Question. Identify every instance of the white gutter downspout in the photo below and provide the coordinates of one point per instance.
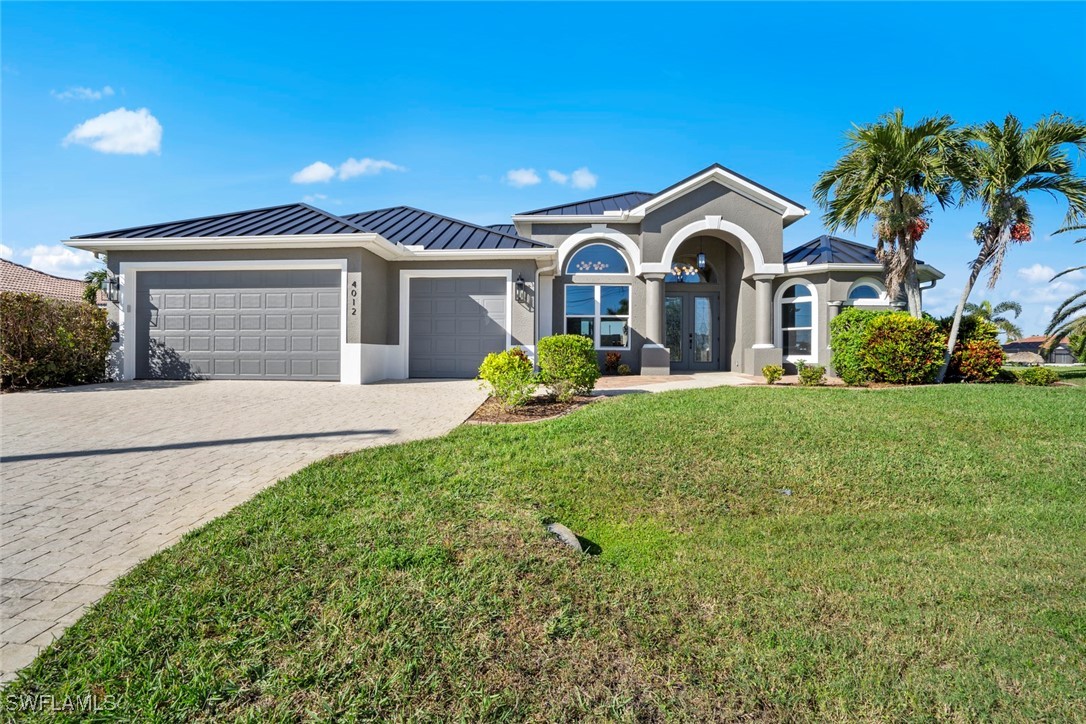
(539, 271)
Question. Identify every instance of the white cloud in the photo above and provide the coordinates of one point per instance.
(79, 93)
(1037, 274)
(558, 177)
(582, 178)
(61, 261)
(120, 131)
(365, 167)
(320, 172)
(6, 251)
(314, 198)
(521, 177)
(317, 172)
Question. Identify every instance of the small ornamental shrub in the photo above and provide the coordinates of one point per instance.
(772, 373)
(1038, 376)
(902, 350)
(848, 331)
(509, 376)
(624, 370)
(810, 375)
(978, 360)
(982, 338)
(567, 365)
(49, 342)
(611, 361)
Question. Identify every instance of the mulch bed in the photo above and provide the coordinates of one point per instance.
(539, 408)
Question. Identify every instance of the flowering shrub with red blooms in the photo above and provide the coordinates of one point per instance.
(1021, 232)
(978, 360)
(900, 349)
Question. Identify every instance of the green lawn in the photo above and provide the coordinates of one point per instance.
(1073, 375)
(930, 563)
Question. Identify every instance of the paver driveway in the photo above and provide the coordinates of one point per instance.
(95, 479)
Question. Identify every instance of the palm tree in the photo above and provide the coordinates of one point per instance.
(985, 311)
(889, 171)
(93, 281)
(1004, 165)
(1069, 319)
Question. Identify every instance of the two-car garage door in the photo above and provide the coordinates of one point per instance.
(276, 324)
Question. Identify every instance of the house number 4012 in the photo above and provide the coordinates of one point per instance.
(354, 299)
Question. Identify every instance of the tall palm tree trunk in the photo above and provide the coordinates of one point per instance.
(955, 326)
(987, 251)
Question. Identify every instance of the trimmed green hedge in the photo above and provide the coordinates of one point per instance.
(847, 336)
(873, 346)
(51, 343)
(510, 377)
(568, 365)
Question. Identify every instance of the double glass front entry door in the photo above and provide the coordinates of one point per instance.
(691, 328)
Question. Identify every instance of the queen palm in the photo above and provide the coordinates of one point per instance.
(1069, 319)
(889, 171)
(1006, 164)
(996, 314)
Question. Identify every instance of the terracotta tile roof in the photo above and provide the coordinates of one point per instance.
(18, 278)
(1036, 339)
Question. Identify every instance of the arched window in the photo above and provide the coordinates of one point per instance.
(867, 291)
(686, 271)
(597, 259)
(796, 314)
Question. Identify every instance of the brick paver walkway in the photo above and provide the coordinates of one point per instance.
(95, 479)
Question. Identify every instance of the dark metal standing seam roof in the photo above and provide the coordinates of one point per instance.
(285, 220)
(615, 202)
(828, 249)
(631, 199)
(503, 228)
(415, 227)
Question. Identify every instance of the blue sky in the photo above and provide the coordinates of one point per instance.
(240, 98)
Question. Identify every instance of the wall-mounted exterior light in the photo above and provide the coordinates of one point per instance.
(112, 287)
(701, 261)
(521, 290)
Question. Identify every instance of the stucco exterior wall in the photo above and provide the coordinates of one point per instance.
(712, 199)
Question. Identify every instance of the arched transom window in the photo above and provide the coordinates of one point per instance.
(866, 291)
(686, 270)
(797, 323)
(597, 259)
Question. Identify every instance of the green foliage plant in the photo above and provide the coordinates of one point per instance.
(509, 377)
(567, 365)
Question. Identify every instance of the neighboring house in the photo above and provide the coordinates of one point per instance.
(18, 278)
(1060, 354)
(694, 277)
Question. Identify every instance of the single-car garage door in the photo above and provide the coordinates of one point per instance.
(282, 324)
(454, 323)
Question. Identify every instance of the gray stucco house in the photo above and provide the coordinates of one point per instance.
(694, 277)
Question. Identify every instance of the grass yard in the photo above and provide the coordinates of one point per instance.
(1073, 375)
(929, 563)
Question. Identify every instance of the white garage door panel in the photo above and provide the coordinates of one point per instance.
(454, 323)
(239, 324)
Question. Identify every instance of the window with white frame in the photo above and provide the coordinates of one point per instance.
(797, 322)
(865, 291)
(600, 312)
(597, 259)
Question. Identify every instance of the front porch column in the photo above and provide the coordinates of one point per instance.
(655, 358)
(762, 352)
(832, 310)
(763, 311)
